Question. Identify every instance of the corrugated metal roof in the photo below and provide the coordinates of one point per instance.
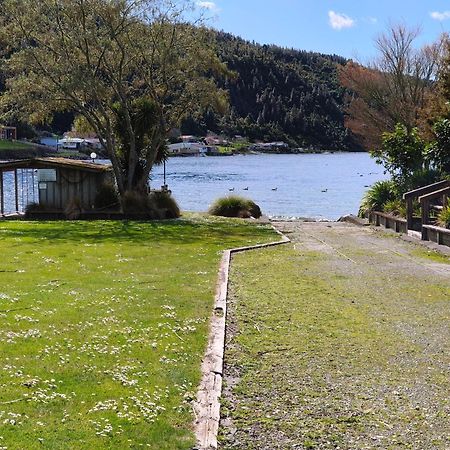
(50, 163)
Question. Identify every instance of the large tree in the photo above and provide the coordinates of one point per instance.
(394, 88)
(132, 68)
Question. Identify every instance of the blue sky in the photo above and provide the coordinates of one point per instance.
(344, 27)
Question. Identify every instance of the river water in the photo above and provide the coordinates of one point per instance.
(324, 186)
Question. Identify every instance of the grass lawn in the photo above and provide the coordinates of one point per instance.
(12, 145)
(338, 342)
(102, 329)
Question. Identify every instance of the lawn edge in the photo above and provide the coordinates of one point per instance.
(207, 404)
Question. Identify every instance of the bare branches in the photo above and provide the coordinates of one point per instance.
(395, 87)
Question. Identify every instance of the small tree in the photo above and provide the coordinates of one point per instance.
(132, 69)
(401, 153)
(437, 152)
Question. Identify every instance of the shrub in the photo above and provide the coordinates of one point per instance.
(396, 207)
(401, 152)
(418, 179)
(444, 217)
(437, 153)
(166, 204)
(377, 196)
(156, 205)
(33, 208)
(106, 197)
(73, 209)
(235, 206)
(136, 203)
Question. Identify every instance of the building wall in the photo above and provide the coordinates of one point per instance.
(71, 184)
(8, 133)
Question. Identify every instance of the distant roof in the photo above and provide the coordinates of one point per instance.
(72, 139)
(50, 163)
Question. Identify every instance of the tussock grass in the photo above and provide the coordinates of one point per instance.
(235, 206)
(444, 217)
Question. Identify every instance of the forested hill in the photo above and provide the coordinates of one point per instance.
(279, 94)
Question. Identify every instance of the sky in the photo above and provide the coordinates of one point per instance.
(344, 27)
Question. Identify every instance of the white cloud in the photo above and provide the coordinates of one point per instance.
(372, 20)
(209, 5)
(339, 21)
(436, 15)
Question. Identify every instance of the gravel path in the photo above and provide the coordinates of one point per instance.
(339, 341)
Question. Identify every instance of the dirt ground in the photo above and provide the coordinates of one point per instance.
(340, 340)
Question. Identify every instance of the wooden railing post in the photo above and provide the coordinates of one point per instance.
(425, 207)
(409, 213)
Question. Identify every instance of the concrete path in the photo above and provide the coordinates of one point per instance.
(339, 341)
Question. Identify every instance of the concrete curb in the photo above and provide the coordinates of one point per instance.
(207, 405)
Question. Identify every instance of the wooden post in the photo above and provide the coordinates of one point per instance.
(2, 200)
(425, 207)
(16, 190)
(409, 213)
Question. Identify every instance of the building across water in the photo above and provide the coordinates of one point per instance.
(8, 133)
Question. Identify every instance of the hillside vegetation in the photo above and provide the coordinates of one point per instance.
(279, 94)
(275, 94)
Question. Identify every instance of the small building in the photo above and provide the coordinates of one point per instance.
(8, 133)
(188, 138)
(214, 139)
(93, 143)
(53, 183)
(186, 148)
(72, 143)
(269, 146)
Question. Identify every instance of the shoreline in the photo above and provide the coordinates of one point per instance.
(254, 152)
(43, 151)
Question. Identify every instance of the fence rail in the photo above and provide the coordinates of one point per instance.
(436, 234)
(395, 223)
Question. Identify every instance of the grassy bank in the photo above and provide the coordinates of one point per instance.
(22, 150)
(13, 145)
(103, 327)
(338, 349)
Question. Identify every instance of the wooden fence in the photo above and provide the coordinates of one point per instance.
(436, 234)
(395, 223)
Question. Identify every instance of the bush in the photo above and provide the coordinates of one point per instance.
(166, 204)
(135, 203)
(444, 217)
(73, 209)
(34, 208)
(437, 153)
(401, 152)
(418, 179)
(156, 205)
(235, 206)
(377, 196)
(106, 197)
(395, 207)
